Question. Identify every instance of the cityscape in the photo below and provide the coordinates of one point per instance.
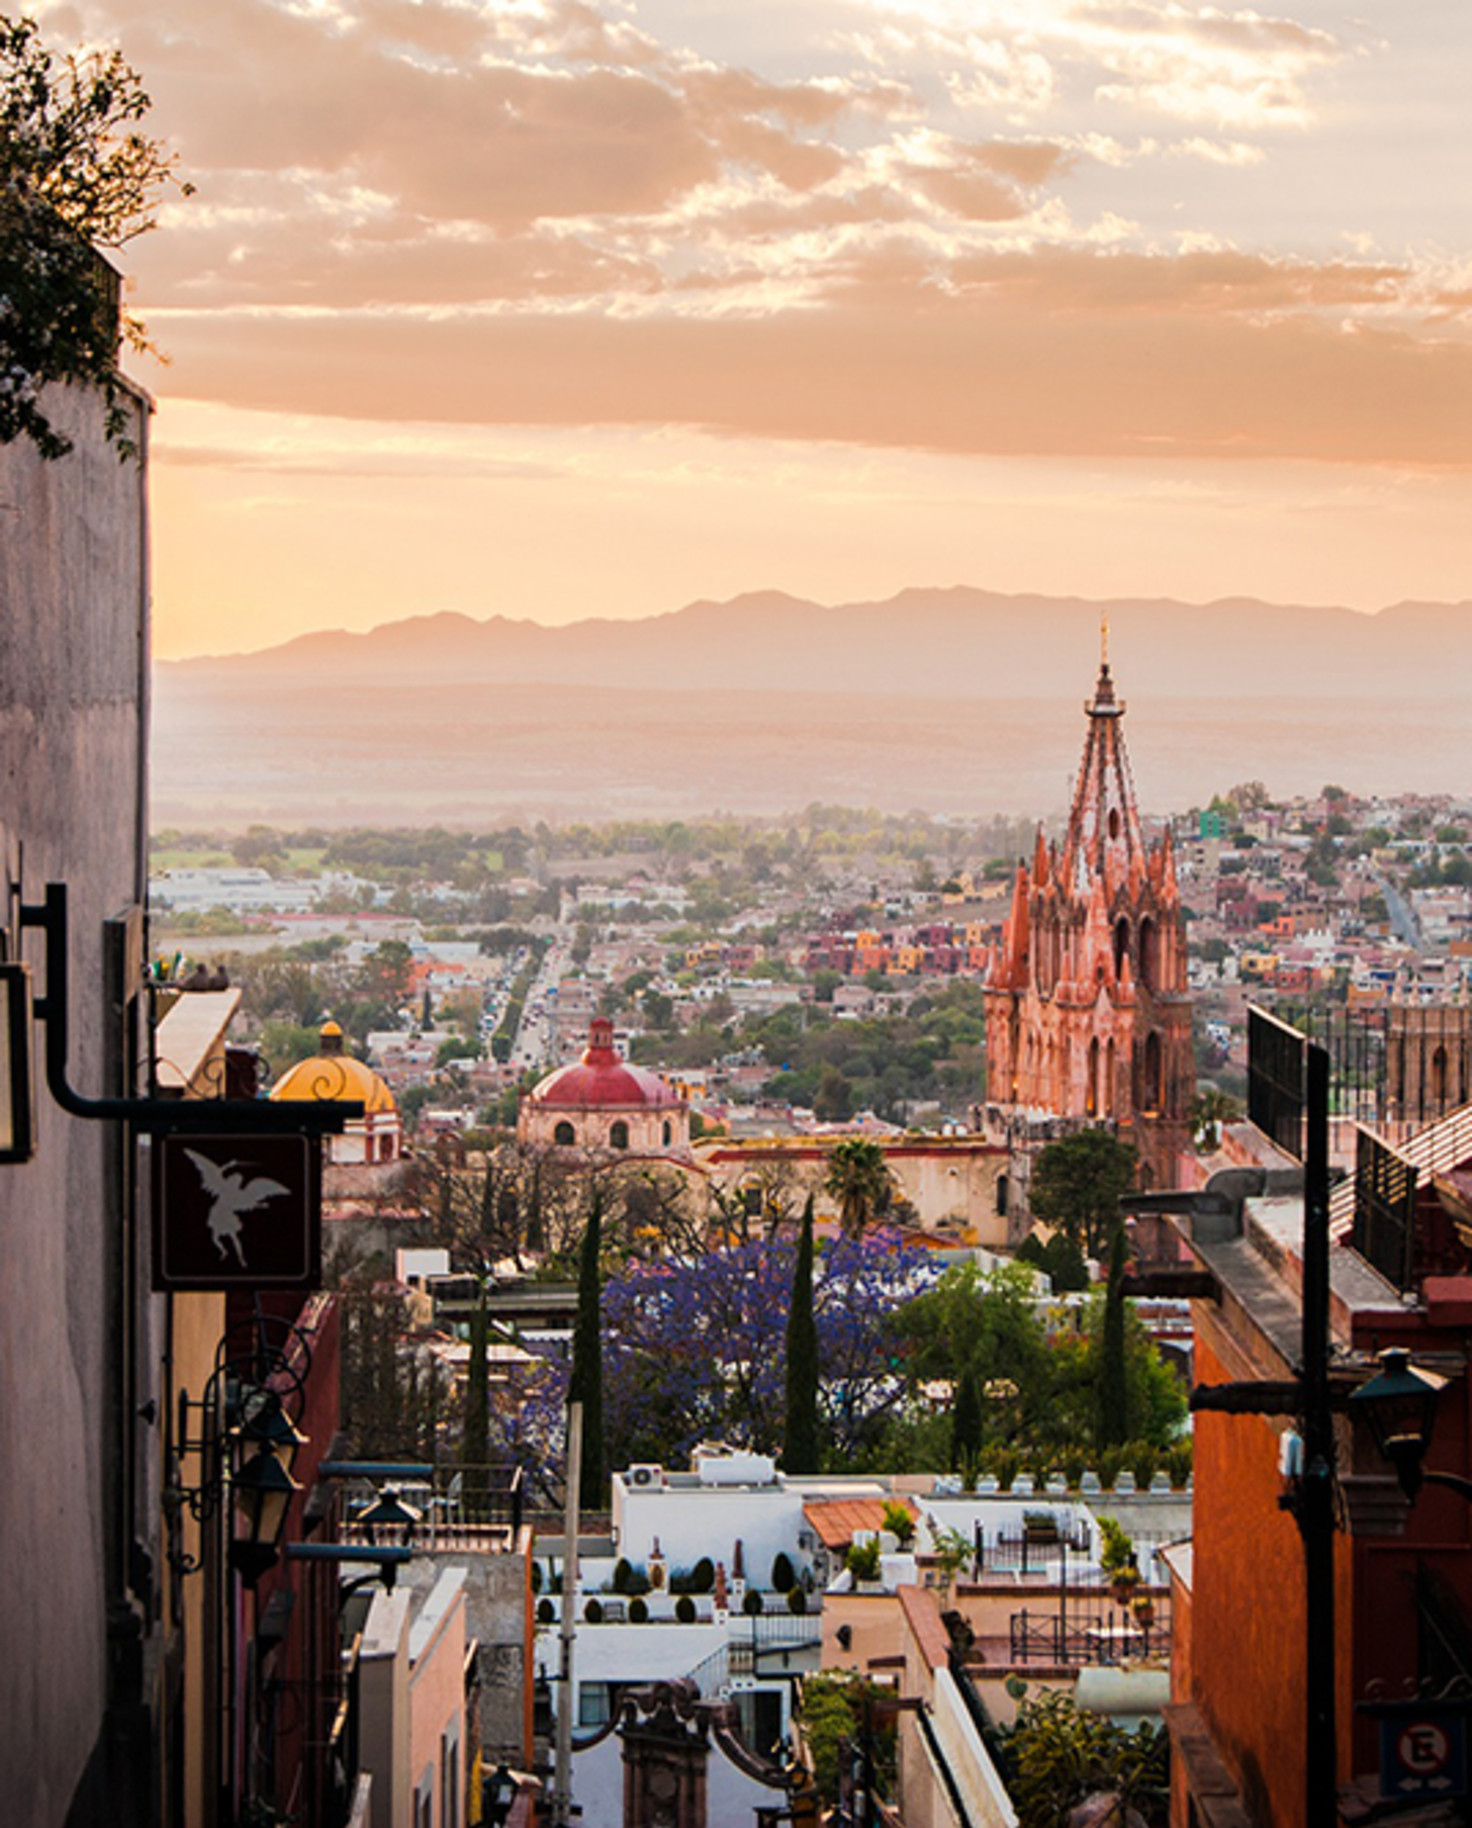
(660, 1168)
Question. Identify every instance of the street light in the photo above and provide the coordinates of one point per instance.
(263, 1491)
(1399, 1403)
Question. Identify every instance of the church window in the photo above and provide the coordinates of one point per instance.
(564, 1135)
(1106, 1095)
(666, 1134)
(1438, 1078)
(1121, 944)
(1153, 1076)
(1001, 1196)
(618, 1135)
(1149, 948)
(1114, 821)
(1091, 1090)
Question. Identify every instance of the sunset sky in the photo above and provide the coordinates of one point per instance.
(552, 309)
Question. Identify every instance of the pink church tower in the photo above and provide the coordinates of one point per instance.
(1088, 1017)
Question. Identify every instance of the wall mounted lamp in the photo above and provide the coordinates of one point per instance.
(155, 1116)
(1400, 1403)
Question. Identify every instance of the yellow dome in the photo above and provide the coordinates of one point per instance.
(335, 1076)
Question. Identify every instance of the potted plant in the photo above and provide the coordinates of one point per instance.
(1117, 1559)
(862, 1561)
(899, 1522)
(1144, 1610)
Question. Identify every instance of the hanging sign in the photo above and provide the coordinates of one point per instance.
(237, 1212)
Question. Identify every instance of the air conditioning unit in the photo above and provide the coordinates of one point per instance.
(646, 1478)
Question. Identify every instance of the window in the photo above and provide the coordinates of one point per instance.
(618, 1135)
(564, 1135)
(450, 1777)
(667, 1134)
(595, 1703)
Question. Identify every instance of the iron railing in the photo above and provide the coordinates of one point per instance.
(1090, 1635)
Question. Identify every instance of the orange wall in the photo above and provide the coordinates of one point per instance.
(1247, 1626)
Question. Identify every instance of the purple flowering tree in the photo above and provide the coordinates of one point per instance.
(696, 1351)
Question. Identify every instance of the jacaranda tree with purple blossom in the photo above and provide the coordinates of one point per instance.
(696, 1351)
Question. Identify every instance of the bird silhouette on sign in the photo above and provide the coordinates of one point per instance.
(232, 1195)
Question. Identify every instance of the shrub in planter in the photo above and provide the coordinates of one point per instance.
(782, 1575)
(752, 1604)
(862, 1560)
(638, 1611)
(703, 1575)
(593, 1612)
(622, 1574)
(546, 1612)
(1178, 1465)
(899, 1522)
(1144, 1463)
(797, 1600)
(685, 1609)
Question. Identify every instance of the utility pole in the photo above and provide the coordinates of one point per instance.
(562, 1767)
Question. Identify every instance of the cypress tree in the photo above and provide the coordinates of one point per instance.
(586, 1383)
(800, 1434)
(1114, 1399)
(966, 1422)
(475, 1440)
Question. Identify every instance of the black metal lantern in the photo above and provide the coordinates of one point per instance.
(387, 1513)
(263, 1491)
(1399, 1403)
(265, 1423)
(499, 1795)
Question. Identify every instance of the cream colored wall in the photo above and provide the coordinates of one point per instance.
(196, 1324)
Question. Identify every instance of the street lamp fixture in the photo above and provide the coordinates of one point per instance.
(1399, 1403)
(389, 1512)
(263, 1491)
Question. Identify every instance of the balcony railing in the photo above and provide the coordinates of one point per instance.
(1090, 1634)
(460, 1507)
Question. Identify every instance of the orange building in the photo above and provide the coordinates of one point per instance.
(1087, 1011)
(1400, 1274)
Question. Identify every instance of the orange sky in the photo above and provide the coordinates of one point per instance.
(555, 308)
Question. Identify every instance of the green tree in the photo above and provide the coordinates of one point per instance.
(966, 1423)
(858, 1178)
(76, 174)
(475, 1438)
(1060, 1755)
(800, 1433)
(586, 1383)
(1078, 1182)
(1114, 1395)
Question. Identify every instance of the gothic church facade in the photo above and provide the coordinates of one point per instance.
(1088, 1017)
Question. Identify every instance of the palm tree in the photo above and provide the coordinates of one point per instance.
(859, 1179)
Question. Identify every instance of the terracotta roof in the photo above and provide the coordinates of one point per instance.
(837, 1520)
(922, 1613)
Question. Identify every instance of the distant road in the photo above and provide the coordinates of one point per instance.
(1403, 922)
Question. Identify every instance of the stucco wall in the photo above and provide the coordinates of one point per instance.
(73, 634)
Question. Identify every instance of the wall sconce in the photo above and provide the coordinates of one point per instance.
(245, 1441)
(17, 1124)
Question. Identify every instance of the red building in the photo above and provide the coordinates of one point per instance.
(1088, 1015)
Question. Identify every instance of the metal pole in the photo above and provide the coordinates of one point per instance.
(1315, 1506)
(562, 1771)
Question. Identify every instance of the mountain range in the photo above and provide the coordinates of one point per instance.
(959, 701)
(951, 643)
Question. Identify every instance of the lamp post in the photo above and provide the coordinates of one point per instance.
(1399, 1403)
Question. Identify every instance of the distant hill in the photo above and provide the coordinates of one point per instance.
(945, 643)
(957, 701)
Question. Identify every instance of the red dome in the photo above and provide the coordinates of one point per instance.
(601, 1078)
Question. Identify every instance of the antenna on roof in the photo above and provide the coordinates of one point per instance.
(1104, 639)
